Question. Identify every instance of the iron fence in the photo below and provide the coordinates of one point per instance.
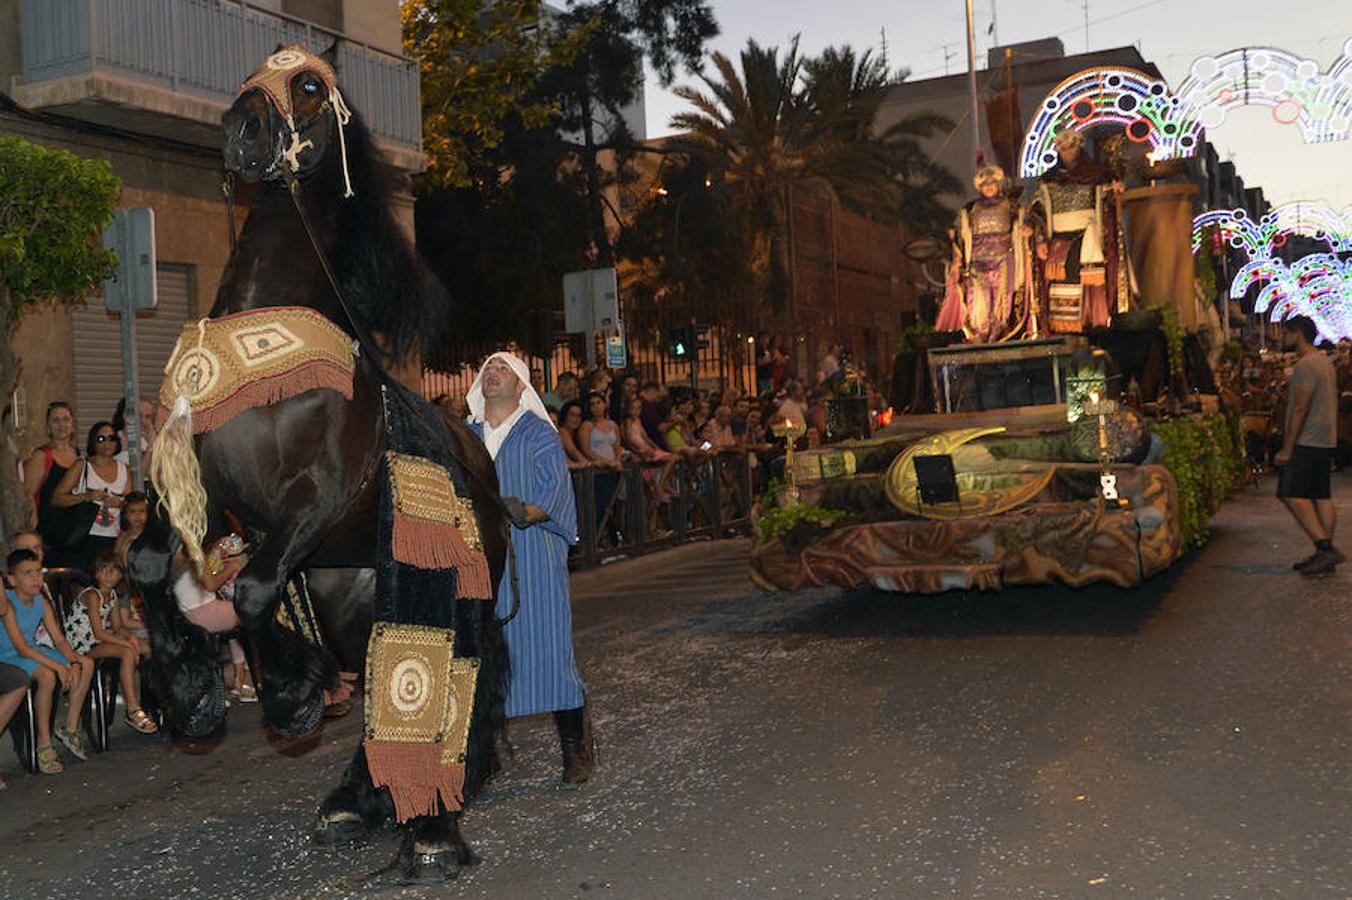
(728, 362)
(652, 505)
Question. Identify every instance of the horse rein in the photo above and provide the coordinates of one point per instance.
(228, 189)
(372, 351)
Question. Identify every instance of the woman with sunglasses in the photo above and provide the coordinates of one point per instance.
(104, 480)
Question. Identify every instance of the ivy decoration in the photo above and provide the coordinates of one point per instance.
(1206, 455)
(1173, 337)
(779, 521)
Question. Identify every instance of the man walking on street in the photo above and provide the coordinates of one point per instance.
(508, 415)
(1309, 439)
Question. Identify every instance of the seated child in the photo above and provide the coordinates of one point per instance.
(135, 512)
(47, 666)
(93, 630)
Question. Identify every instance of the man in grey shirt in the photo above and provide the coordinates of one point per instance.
(1309, 439)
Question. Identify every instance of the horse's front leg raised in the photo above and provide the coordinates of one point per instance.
(295, 672)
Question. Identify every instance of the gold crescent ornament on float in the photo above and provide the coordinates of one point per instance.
(903, 488)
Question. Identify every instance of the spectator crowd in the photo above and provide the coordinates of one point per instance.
(68, 613)
(622, 433)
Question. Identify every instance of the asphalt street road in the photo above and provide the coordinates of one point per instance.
(1186, 739)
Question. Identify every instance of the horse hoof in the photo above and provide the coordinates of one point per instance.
(338, 829)
(305, 720)
(208, 714)
(426, 866)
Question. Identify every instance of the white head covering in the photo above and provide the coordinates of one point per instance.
(530, 401)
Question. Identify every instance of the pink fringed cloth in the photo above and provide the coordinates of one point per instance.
(255, 358)
(419, 703)
(434, 527)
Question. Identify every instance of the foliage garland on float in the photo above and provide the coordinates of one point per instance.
(1206, 455)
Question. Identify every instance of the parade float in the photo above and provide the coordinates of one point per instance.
(1060, 424)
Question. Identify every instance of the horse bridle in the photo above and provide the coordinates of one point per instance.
(372, 353)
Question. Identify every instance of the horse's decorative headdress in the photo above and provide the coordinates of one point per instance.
(273, 78)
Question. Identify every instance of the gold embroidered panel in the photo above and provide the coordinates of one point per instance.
(408, 685)
(423, 491)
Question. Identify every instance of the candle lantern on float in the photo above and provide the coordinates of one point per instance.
(790, 431)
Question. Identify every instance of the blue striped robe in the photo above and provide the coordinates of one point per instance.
(530, 466)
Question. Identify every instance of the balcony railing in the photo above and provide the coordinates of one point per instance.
(205, 49)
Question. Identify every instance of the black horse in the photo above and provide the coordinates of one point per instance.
(301, 474)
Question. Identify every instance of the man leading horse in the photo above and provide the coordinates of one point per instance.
(510, 418)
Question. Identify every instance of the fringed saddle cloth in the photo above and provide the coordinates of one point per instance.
(421, 671)
(422, 664)
(226, 365)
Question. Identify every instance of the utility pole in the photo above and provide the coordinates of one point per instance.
(949, 53)
(971, 84)
(1085, 6)
(995, 31)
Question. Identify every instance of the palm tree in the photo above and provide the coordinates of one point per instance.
(847, 91)
(789, 125)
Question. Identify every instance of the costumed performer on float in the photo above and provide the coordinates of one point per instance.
(508, 415)
(989, 280)
(1078, 239)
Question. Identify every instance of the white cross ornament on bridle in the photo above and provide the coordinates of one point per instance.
(291, 155)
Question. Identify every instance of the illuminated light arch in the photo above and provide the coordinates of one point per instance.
(1237, 228)
(1296, 90)
(1142, 105)
(1316, 220)
(1260, 240)
(1318, 286)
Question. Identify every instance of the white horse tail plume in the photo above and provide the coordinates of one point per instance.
(177, 475)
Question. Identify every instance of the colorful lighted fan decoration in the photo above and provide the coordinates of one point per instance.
(1262, 239)
(1256, 239)
(1318, 286)
(1145, 108)
(1296, 90)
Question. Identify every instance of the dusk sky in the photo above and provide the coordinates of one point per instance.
(1170, 33)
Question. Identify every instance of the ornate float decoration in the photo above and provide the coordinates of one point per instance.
(902, 483)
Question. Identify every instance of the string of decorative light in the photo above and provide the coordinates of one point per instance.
(1296, 90)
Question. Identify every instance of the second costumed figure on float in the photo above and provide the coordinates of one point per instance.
(989, 281)
(1079, 247)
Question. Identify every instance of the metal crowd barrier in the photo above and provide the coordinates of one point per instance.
(652, 505)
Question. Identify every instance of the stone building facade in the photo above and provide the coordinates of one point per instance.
(113, 79)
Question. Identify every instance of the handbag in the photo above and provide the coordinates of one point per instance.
(66, 528)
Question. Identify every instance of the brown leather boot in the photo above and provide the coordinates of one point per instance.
(579, 748)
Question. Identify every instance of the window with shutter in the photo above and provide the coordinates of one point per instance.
(98, 347)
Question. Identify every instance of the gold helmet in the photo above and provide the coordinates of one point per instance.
(989, 175)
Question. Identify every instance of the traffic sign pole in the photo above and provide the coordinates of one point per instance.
(131, 235)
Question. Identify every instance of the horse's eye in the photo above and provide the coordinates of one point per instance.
(310, 86)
